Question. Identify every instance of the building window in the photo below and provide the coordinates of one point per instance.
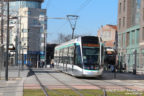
(42, 13)
(137, 14)
(35, 22)
(120, 8)
(133, 37)
(24, 38)
(24, 30)
(143, 34)
(137, 36)
(128, 38)
(123, 21)
(143, 13)
(119, 23)
(124, 40)
(124, 5)
(28, 12)
(119, 40)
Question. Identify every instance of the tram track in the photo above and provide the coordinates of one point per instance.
(112, 83)
(68, 86)
(117, 94)
(102, 88)
(41, 85)
(45, 88)
(74, 89)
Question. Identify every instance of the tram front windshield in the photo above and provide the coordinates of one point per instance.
(91, 57)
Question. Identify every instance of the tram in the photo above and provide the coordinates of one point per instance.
(80, 57)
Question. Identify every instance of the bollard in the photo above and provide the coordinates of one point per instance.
(135, 63)
(105, 93)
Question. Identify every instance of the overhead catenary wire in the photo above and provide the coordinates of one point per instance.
(48, 4)
(82, 6)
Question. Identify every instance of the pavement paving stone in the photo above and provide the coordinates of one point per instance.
(108, 82)
(14, 86)
(122, 82)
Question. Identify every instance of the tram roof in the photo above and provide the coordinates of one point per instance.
(71, 42)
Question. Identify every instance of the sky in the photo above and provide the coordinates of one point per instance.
(92, 15)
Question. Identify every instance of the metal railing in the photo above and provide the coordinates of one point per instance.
(131, 62)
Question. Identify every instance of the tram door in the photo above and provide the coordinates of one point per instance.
(71, 58)
(65, 59)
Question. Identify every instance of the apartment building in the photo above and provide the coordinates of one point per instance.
(33, 28)
(131, 34)
(27, 31)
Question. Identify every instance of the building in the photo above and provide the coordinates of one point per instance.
(28, 24)
(107, 34)
(33, 26)
(3, 29)
(50, 52)
(131, 35)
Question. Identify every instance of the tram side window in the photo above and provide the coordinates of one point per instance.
(60, 57)
(78, 60)
(65, 50)
(71, 55)
(102, 54)
(58, 54)
(55, 55)
(68, 62)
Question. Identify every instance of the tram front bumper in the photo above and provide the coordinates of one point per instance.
(92, 73)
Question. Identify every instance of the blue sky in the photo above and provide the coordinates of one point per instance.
(92, 14)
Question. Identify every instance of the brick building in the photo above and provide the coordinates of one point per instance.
(131, 34)
(107, 33)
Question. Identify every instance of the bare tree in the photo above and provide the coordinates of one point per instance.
(64, 38)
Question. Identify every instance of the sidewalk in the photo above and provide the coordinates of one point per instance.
(14, 86)
(122, 76)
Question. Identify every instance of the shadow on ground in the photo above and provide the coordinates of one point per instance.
(117, 76)
(105, 76)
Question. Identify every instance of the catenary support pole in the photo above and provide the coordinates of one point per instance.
(73, 21)
(2, 47)
(7, 45)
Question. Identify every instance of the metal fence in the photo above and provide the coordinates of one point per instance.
(131, 62)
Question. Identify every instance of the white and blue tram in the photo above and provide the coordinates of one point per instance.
(80, 57)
